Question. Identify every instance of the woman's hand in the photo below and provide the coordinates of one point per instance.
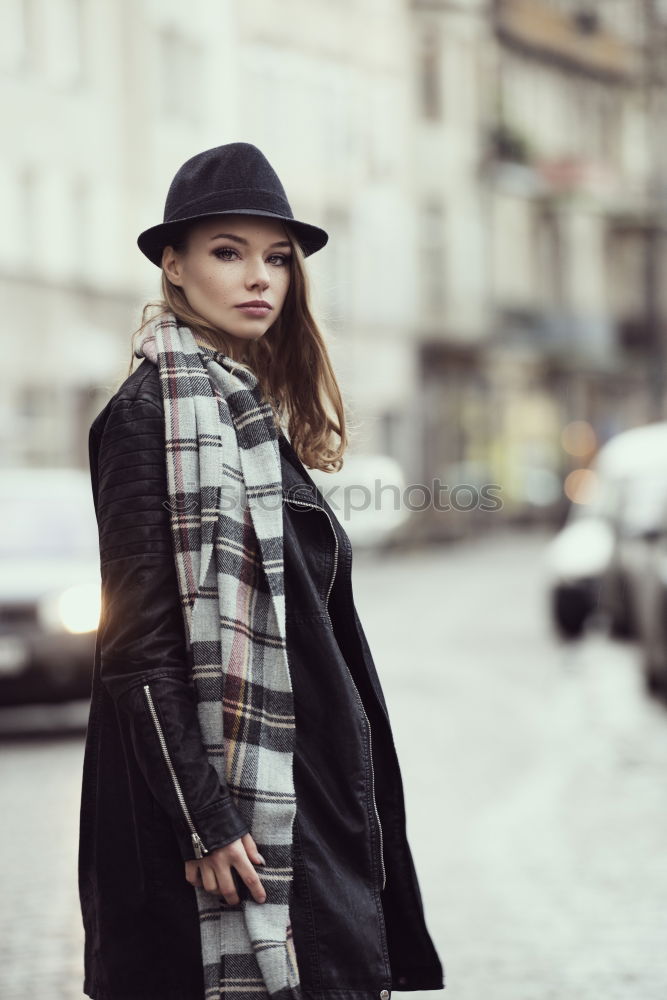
(213, 872)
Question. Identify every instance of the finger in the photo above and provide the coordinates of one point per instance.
(251, 849)
(192, 872)
(208, 877)
(252, 880)
(227, 887)
(196, 877)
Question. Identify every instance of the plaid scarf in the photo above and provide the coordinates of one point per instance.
(225, 500)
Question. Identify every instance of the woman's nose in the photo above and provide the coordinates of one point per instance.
(258, 274)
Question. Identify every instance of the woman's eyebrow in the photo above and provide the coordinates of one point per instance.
(240, 239)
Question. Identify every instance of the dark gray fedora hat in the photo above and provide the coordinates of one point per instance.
(230, 179)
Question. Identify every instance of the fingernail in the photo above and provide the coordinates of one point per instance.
(261, 859)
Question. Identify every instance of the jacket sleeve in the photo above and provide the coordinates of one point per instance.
(144, 661)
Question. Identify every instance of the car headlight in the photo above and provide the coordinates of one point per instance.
(76, 609)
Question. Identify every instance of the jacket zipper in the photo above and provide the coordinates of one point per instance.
(196, 839)
(356, 690)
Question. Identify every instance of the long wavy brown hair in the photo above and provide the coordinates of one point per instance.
(291, 362)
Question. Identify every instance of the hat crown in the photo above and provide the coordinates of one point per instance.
(237, 170)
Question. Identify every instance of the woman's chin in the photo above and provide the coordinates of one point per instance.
(248, 332)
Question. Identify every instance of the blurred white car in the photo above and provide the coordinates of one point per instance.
(367, 497)
(49, 585)
(594, 562)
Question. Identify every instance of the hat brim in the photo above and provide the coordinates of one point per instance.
(153, 241)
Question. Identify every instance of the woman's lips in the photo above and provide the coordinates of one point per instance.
(260, 311)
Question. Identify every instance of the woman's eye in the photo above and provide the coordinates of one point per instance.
(282, 257)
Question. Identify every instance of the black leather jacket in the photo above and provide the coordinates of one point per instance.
(150, 798)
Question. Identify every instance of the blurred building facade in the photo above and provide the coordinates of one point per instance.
(491, 173)
(562, 106)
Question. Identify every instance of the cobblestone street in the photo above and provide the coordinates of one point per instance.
(543, 864)
(534, 780)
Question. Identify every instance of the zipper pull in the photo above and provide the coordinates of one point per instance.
(198, 846)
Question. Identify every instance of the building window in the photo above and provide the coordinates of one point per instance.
(390, 428)
(64, 43)
(38, 423)
(432, 259)
(430, 74)
(81, 226)
(549, 260)
(26, 216)
(180, 73)
(339, 283)
(16, 35)
(609, 112)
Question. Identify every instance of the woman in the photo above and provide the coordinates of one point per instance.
(242, 822)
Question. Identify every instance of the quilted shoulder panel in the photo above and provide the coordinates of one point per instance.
(143, 383)
(130, 484)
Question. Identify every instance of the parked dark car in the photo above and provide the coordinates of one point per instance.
(49, 585)
(594, 563)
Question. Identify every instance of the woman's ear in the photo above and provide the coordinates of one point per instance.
(171, 265)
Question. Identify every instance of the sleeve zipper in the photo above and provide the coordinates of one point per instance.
(361, 704)
(197, 843)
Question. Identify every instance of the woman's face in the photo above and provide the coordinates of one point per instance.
(231, 260)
